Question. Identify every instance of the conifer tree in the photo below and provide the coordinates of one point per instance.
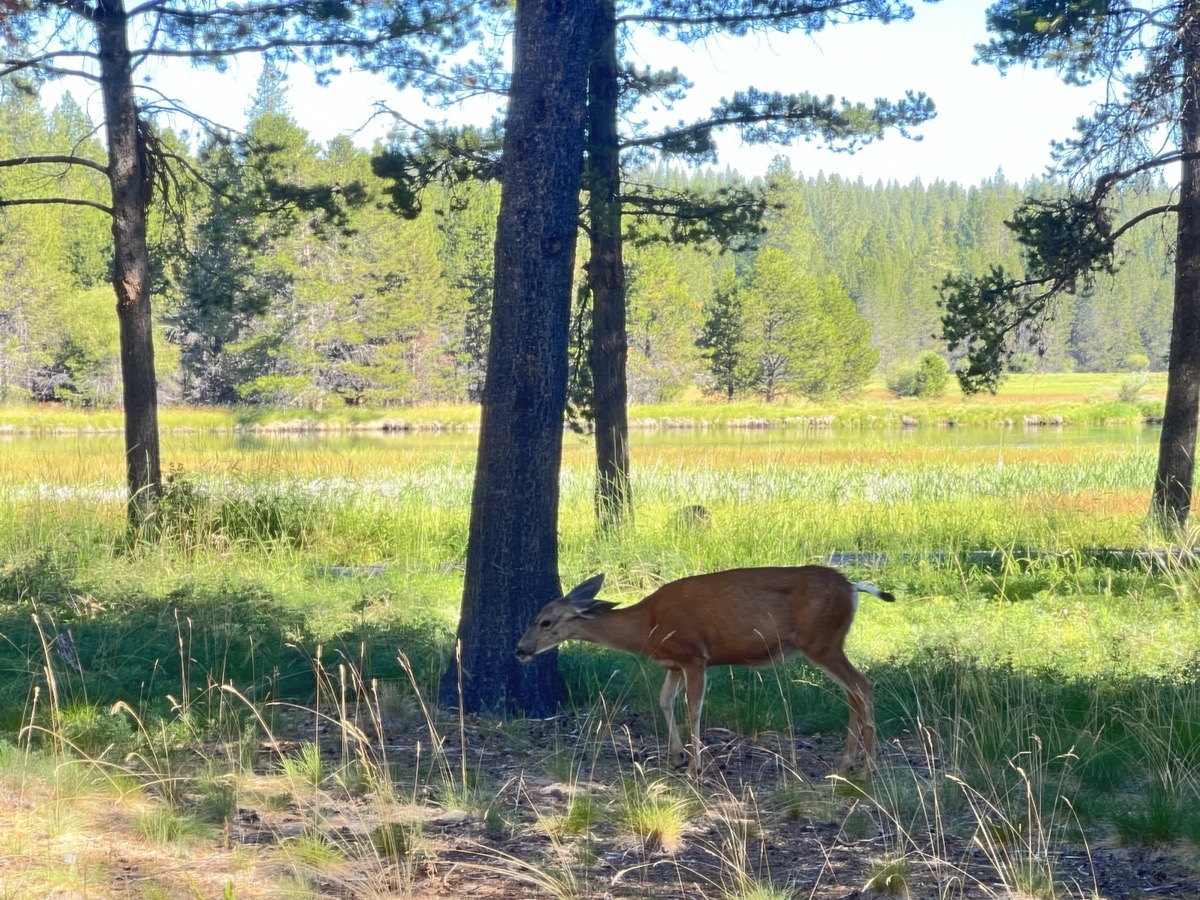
(512, 546)
(1149, 122)
(102, 43)
(722, 341)
(616, 203)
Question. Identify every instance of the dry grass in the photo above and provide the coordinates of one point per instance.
(396, 799)
(85, 841)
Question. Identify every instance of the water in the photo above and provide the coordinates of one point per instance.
(931, 437)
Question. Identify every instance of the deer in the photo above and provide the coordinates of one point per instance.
(740, 617)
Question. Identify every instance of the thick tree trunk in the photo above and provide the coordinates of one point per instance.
(608, 351)
(1172, 498)
(131, 270)
(512, 547)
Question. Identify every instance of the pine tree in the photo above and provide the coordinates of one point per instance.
(802, 335)
(1149, 122)
(512, 545)
(135, 167)
(723, 341)
(617, 204)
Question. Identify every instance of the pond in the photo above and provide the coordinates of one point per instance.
(869, 439)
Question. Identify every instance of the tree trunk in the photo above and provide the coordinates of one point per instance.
(512, 546)
(131, 265)
(608, 351)
(1172, 498)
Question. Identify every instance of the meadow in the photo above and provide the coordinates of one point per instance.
(247, 707)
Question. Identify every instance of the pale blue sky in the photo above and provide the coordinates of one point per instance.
(985, 122)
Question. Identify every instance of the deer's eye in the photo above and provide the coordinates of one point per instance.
(545, 623)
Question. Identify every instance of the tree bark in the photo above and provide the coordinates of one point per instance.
(608, 351)
(1172, 498)
(512, 546)
(131, 264)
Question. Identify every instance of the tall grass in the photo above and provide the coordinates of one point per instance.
(1036, 698)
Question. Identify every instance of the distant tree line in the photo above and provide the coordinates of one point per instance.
(289, 308)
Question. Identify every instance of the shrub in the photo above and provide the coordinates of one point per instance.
(927, 377)
(270, 514)
(1132, 387)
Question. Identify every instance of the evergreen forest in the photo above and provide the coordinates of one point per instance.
(350, 302)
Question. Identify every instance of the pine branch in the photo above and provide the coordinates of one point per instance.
(778, 118)
(41, 63)
(735, 18)
(55, 159)
(208, 53)
(1144, 215)
(61, 201)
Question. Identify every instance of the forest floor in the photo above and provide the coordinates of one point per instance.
(765, 820)
(573, 807)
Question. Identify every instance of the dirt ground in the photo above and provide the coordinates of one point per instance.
(765, 814)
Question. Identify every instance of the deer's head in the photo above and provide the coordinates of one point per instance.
(559, 619)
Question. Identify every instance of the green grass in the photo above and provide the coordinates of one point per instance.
(1030, 677)
(656, 813)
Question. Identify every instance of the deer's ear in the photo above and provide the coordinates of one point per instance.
(587, 590)
(590, 609)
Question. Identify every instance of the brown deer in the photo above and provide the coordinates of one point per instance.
(741, 617)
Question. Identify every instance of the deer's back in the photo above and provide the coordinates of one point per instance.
(748, 616)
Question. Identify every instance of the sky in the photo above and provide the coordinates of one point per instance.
(986, 122)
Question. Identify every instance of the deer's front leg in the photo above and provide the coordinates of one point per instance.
(676, 755)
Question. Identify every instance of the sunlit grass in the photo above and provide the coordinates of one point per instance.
(347, 535)
(655, 812)
(1034, 669)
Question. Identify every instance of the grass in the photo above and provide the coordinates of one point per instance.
(888, 875)
(656, 813)
(1032, 705)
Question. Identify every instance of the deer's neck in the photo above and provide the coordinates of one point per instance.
(628, 628)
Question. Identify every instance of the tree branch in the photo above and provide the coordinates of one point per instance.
(42, 64)
(728, 17)
(81, 8)
(1142, 216)
(62, 201)
(1106, 181)
(54, 158)
(787, 117)
(275, 44)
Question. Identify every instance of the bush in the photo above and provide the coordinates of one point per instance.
(268, 514)
(1132, 387)
(927, 377)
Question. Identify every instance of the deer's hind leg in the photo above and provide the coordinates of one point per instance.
(860, 696)
(695, 675)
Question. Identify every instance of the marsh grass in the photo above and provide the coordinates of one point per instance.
(1028, 702)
